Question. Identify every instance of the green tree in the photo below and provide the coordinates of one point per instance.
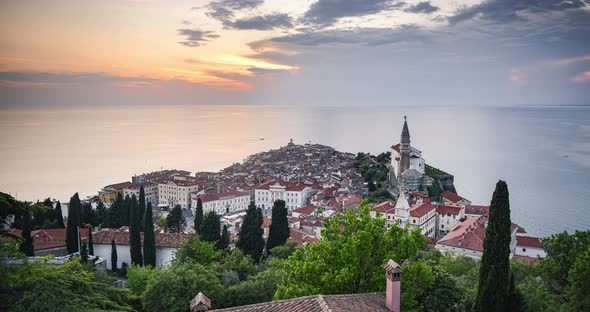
(175, 219)
(171, 289)
(279, 227)
(283, 251)
(134, 233)
(126, 212)
(350, 257)
(101, 213)
(149, 239)
(84, 254)
(250, 239)
(238, 262)
(113, 256)
(210, 230)
(195, 250)
(138, 278)
(494, 275)
(444, 294)
(258, 288)
(579, 278)
(26, 246)
(141, 207)
(72, 235)
(117, 215)
(198, 216)
(90, 242)
(416, 281)
(224, 241)
(89, 215)
(59, 216)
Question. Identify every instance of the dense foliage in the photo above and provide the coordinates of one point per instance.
(175, 220)
(211, 228)
(134, 233)
(72, 234)
(198, 216)
(149, 238)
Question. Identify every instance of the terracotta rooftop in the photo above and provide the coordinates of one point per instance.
(307, 210)
(320, 303)
(421, 210)
(527, 241)
(120, 186)
(451, 196)
(448, 209)
(526, 259)
(383, 207)
(477, 210)
(227, 195)
(121, 237)
(50, 238)
(469, 235)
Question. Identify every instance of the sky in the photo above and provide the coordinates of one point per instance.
(294, 52)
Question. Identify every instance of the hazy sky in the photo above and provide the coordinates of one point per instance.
(294, 52)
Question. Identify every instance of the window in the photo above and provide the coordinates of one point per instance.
(524, 250)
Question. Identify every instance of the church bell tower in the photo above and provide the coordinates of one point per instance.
(405, 148)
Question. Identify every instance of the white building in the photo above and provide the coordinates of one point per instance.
(222, 203)
(150, 190)
(295, 195)
(448, 216)
(176, 191)
(166, 245)
(528, 246)
(466, 238)
(423, 216)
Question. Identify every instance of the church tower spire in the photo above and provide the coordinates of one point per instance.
(405, 148)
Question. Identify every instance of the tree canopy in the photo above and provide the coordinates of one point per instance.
(250, 239)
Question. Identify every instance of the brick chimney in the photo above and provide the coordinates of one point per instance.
(393, 290)
(200, 303)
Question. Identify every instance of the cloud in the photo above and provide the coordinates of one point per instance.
(363, 36)
(327, 12)
(195, 37)
(264, 22)
(512, 10)
(223, 10)
(422, 7)
(582, 78)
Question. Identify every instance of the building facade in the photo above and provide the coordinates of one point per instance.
(150, 189)
(223, 203)
(423, 216)
(295, 195)
(176, 191)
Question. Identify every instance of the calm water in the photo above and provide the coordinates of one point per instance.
(58, 152)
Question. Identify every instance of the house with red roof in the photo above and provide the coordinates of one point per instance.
(448, 216)
(166, 245)
(528, 246)
(466, 238)
(450, 198)
(476, 211)
(50, 241)
(423, 216)
(295, 194)
(222, 203)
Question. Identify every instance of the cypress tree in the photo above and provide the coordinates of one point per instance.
(149, 240)
(84, 254)
(113, 256)
(101, 213)
(59, 216)
(250, 239)
(175, 219)
(279, 228)
(134, 234)
(224, 241)
(26, 245)
(90, 242)
(72, 236)
(198, 216)
(494, 275)
(141, 206)
(211, 228)
(126, 212)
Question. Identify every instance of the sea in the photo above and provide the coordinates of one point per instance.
(542, 152)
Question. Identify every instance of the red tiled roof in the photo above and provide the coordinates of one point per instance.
(528, 241)
(469, 235)
(213, 197)
(448, 209)
(421, 210)
(383, 207)
(307, 210)
(49, 238)
(121, 237)
(300, 236)
(119, 186)
(477, 210)
(395, 147)
(451, 196)
(319, 303)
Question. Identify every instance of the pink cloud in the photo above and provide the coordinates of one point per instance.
(582, 78)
